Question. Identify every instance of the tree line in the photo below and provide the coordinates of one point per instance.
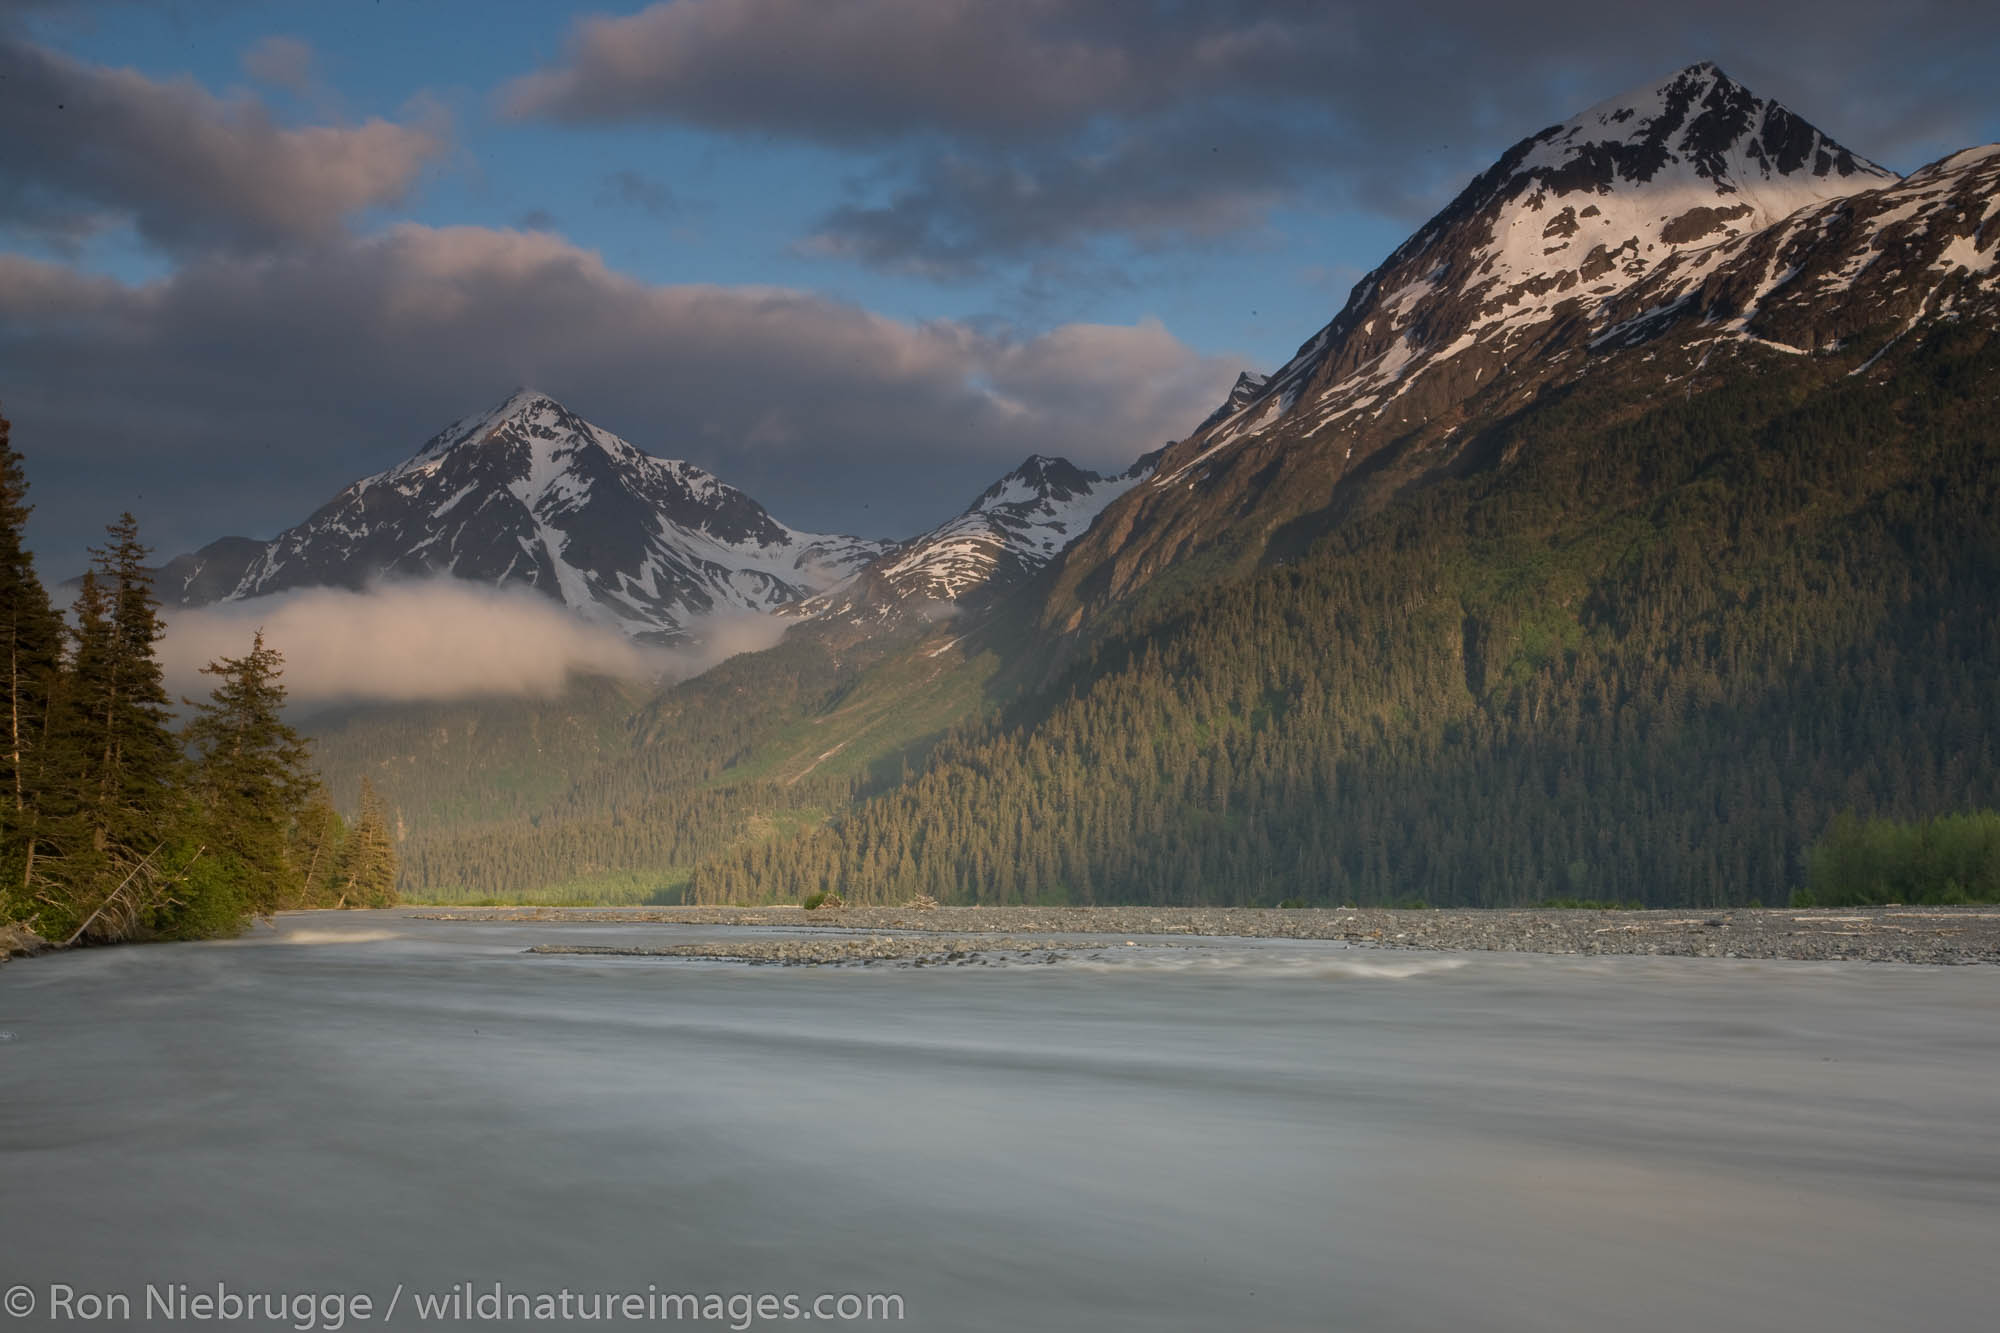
(117, 824)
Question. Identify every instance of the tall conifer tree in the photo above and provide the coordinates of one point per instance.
(117, 795)
(250, 780)
(368, 870)
(30, 661)
(317, 838)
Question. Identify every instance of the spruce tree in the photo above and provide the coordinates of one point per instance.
(75, 854)
(31, 641)
(368, 862)
(115, 799)
(249, 781)
(317, 838)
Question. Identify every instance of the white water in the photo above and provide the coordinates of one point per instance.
(1234, 1135)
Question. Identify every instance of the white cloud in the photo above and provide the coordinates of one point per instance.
(406, 642)
(435, 639)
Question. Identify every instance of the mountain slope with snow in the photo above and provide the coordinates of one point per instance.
(531, 495)
(1012, 530)
(1565, 221)
(1687, 211)
(1926, 247)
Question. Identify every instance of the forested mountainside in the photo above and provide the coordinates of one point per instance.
(1545, 569)
(1649, 658)
(611, 790)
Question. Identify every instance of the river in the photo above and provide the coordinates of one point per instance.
(1223, 1135)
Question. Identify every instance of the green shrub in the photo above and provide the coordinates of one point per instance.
(1947, 860)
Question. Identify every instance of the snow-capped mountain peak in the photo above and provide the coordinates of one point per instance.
(1039, 484)
(1015, 527)
(1690, 212)
(1562, 224)
(1700, 125)
(530, 494)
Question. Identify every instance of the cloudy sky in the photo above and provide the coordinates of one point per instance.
(855, 256)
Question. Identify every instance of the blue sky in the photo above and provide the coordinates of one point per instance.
(856, 256)
(729, 208)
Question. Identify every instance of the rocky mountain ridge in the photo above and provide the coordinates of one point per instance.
(529, 494)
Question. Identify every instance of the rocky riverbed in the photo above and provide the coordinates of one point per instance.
(1937, 935)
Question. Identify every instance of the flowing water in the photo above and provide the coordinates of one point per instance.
(1221, 1135)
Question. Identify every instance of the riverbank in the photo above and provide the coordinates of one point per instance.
(1930, 935)
(19, 941)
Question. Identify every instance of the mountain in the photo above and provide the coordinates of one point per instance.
(1010, 532)
(1498, 296)
(1635, 521)
(531, 495)
(1612, 564)
(1565, 221)
(1650, 651)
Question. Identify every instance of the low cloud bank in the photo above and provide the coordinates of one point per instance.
(433, 640)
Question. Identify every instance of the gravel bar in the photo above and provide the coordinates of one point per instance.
(1945, 935)
(919, 950)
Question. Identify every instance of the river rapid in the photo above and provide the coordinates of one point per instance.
(1215, 1135)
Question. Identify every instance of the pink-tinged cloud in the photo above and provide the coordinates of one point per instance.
(189, 169)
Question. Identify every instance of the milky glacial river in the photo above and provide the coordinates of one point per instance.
(1231, 1135)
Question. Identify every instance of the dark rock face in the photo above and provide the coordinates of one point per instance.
(1698, 222)
(531, 495)
(210, 574)
(1249, 385)
(1692, 210)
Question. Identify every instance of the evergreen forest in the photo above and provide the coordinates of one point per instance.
(121, 819)
(1651, 657)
